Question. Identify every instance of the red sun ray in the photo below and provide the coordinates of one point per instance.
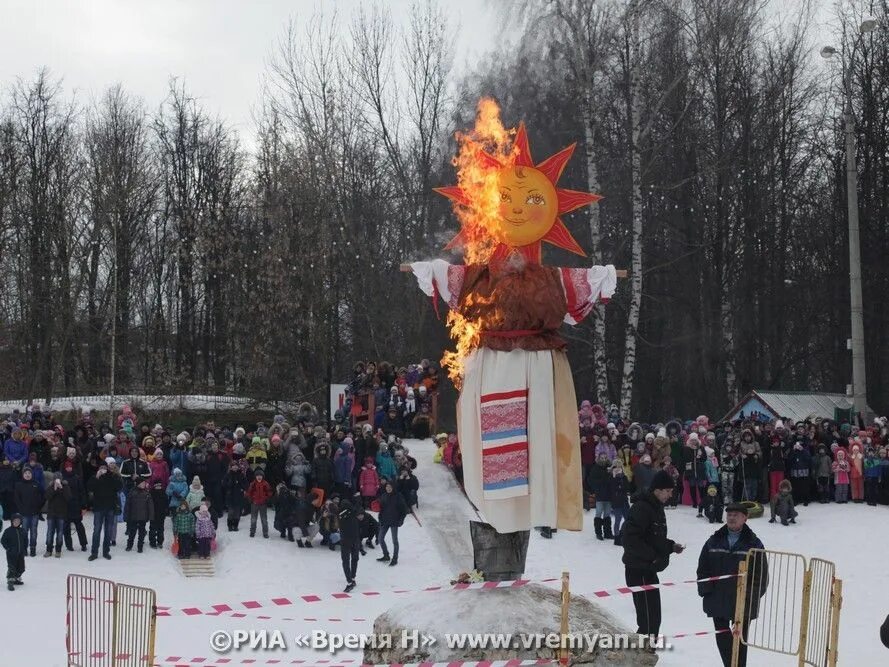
(533, 253)
(570, 200)
(454, 193)
(523, 159)
(560, 236)
(489, 161)
(457, 242)
(553, 166)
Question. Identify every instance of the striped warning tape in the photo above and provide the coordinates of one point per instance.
(276, 603)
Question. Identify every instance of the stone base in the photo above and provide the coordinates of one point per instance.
(529, 610)
(501, 556)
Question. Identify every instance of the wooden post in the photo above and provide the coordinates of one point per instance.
(804, 618)
(566, 600)
(836, 604)
(406, 268)
(741, 595)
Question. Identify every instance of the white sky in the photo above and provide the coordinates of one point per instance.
(219, 47)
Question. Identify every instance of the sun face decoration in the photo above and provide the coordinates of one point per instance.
(507, 203)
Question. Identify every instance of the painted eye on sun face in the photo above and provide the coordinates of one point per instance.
(535, 200)
(505, 198)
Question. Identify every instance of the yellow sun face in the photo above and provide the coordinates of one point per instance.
(528, 205)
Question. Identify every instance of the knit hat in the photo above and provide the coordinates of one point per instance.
(110, 462)
(196, 481)
(158, 454)
(737, 507)
(70, 452)
(661, 480)
(109, 437)
(181, 438)
(276, 439)
(256, 440)
(239, 432)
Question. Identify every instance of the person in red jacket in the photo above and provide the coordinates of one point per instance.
(259, 493)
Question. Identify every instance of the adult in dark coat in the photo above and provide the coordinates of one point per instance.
(104, 488)
(76, 503)
(29, 498)
(647, 550)
(134, 470)
(350, 542)
(721, 555)
(393, 509)
(322, 468)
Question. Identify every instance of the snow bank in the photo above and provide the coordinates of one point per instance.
(151, 403)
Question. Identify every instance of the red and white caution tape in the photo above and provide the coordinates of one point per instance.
(299, 599)
(276, 603)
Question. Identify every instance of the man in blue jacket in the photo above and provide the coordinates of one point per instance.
(721, 555)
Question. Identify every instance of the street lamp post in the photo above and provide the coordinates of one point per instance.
(859, 377)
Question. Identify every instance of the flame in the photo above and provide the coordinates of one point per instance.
(482, 152)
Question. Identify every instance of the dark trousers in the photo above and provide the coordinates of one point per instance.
(156, 532)
(647, 603)
(81, 533)
(724, 641)
(801, 486)
(350, 555)
(104, 526)
(381, 540)
(185, 542)
(871, 490)
(204, 547)
(134, 527)
(15, 567)
(694, 492)
(233, 518)
(55, 528)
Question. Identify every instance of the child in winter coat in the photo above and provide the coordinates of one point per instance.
(138, 512)
(204, 530)
(368, 530)
(234, 484)
(259, 493)
(15, 543)
(343, 464)
(856, 474)
(385, 464)
(823, 471)
(183, 529)
(177, 489)
(161, 509)
(713, 504)
(841, 470)
(727, 473)
(871, 476)
(673, 472)
(782, 504)
(160, 471)
(368, 482)
(304, 516)
(195, 493)
(285, 511)
(620, 506)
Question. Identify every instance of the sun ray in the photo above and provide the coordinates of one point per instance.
(560, 236)
(553, 166)
(523, 159)
(570, 200)
(454, 193)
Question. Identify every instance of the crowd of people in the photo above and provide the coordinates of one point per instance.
(774, 462)
(401, 399)
(348, 488)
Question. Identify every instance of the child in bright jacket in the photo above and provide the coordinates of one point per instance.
(183, 529)
(782, 504)
(204, 530)
(195, 493)
(15, 543)
(840, 470)
(259, 493)
(177, 489)
(856, 474)
(368, 481)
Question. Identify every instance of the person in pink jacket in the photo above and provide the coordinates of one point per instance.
(841, 469)
(160, 470)
(368, 481)
(856, 474)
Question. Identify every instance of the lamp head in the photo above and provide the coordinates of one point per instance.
(868, 24)
(828, 52)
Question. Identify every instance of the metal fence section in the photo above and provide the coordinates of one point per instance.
(109, 624)
(796, 605)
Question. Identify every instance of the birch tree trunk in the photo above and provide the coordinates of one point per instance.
(600, 359)
(626, 388)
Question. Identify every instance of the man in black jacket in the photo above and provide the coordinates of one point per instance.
(647, 550)
(29, 498)
(350, 542)
(134, 470)
(720, 555)
(104, 488)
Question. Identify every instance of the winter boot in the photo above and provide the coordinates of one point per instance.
(546, 532)
(300, 544)
(606, 528)
(384, 558)
(370, 543)
(393, 562)
(597, 523)
(784, 521)
(618, 541)
(58, 553)
(33, 552)
(48, 553)
(10, 586)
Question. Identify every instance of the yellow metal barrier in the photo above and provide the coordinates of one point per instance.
(796, 604)
(109, 624)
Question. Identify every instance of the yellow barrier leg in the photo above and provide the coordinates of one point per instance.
(741, 593)
(836, 604)
(804, 620)
(566, 600)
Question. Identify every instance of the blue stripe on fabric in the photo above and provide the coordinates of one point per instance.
(493, 486)
(497, 435)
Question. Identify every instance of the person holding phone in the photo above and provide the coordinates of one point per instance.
(647, 549)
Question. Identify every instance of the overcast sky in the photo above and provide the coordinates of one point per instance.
(219, 47)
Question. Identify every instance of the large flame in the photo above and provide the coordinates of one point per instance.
(479, 215)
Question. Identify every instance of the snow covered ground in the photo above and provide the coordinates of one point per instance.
(147, 402)
(851, 536)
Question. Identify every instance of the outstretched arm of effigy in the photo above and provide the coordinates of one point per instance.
(439, 277)
(585, 287)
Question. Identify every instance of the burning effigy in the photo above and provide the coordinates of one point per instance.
(517, 411)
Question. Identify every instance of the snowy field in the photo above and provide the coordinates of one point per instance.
(853, 536)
